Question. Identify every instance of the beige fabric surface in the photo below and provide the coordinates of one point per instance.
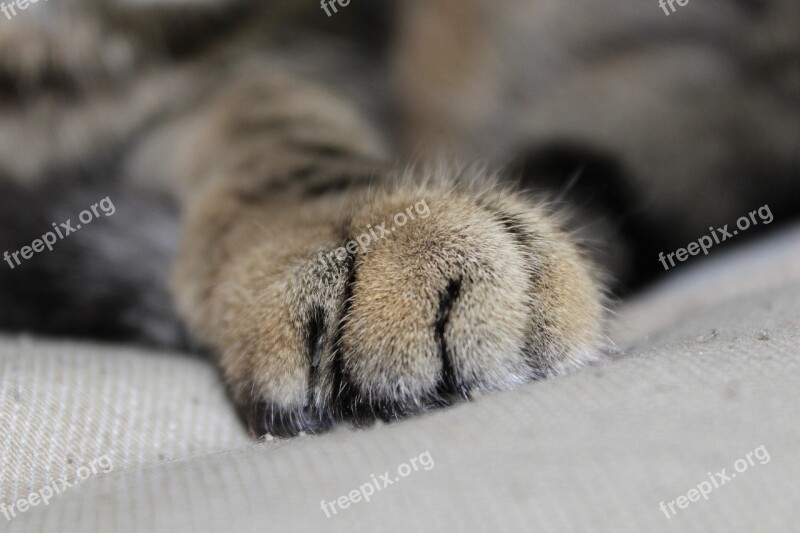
(711, 374)
(64, 405)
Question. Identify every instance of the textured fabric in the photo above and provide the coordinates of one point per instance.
(708, 372)
(64, 405)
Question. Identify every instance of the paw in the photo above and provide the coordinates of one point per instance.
(473, 293)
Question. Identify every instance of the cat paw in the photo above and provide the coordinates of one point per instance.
(425, 297)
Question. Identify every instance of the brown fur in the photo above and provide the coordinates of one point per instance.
(273, 166)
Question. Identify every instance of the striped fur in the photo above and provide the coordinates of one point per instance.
(274, 136)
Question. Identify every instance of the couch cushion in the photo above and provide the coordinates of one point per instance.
(64, 405)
